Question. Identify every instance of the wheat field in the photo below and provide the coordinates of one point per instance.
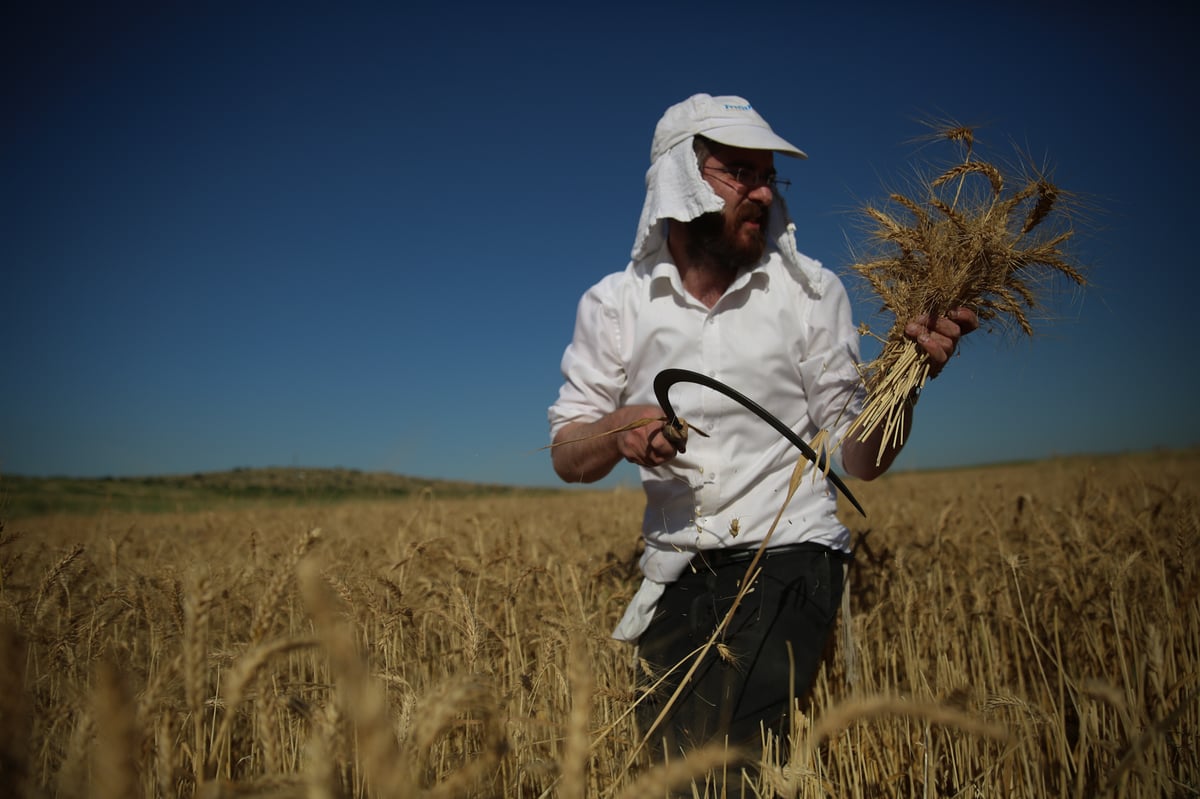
(1014, 631)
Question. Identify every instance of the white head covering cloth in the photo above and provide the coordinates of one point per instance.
(676, 190)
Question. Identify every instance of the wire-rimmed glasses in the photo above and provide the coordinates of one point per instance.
(749, 179)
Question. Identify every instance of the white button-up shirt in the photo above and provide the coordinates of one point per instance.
(789, 346)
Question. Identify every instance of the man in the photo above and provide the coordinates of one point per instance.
(717, 286)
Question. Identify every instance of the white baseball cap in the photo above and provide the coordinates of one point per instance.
(727, 120)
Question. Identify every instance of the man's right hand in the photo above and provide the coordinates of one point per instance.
(587, 451)
(646, 445)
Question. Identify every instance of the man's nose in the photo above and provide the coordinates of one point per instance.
(762, 194)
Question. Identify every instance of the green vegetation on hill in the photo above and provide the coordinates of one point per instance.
(35, 496)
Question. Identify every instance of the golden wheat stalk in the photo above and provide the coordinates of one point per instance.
(52, 576)
(268, 605)
(195, 667)
(118, 741)
(965, 239)
(242, 675)
(361, 698)
(320, 766)
(675, 774)
(681, 433)
(576, 746)
(444, 710)
(845, 714)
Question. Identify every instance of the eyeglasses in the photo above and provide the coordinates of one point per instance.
(750, 179)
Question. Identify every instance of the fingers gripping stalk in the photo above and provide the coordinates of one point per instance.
(674, 429)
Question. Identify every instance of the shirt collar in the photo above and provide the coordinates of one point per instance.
(664, 274)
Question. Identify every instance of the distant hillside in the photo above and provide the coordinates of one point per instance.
(32, 496)
(36, 496)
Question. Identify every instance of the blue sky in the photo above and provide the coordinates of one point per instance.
(354, 235)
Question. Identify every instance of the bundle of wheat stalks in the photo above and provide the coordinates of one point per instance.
(972, 238)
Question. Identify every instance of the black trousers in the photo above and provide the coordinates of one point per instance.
(775, 644)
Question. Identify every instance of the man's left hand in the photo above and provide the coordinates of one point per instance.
(940, 338)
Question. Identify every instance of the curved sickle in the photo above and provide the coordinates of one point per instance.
(669, 377)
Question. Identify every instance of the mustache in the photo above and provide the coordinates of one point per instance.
(752, 213)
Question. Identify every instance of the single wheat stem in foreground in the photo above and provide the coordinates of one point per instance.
(844, 715)
(114, 770)
(268, 605)
(635, 424)
(320, 766)
(195, 671)
(697, 764)
(575, 744)
(361, 698)
(164, 755)
(964, 240)
(247, 668)
(72, 777)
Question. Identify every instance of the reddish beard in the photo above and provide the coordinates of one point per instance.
(728, 244)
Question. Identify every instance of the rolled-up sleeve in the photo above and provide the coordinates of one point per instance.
(593, 373)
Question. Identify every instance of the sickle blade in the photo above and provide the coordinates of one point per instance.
(669, 377)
